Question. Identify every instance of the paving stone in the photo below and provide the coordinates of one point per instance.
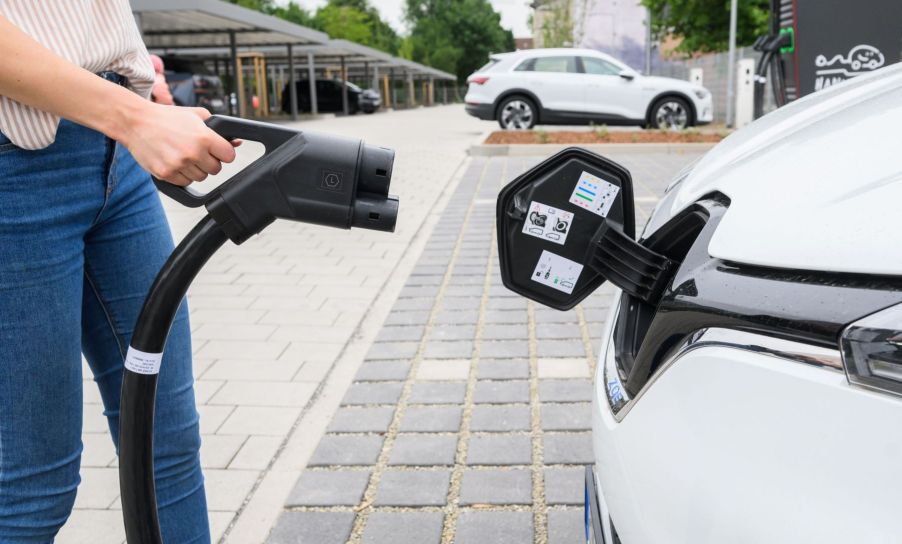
(409, 318)
(444, 369)
(494, 527)
(449, 350)
(413, 488)
(312, 528)
(505, 316)
(565, 485)
(496, 487)
(362, 420)
(502, 369)
(461, 303)
(567, 417)
(373, 393)
(565, 390)
(566, 526)
(499, 291)
(423, 450)
(403, 528)
(567, 449)
(401, 333)
(382, 371)
(329, 488)
(417, 291)
(499, 449)
(392, 350)
(505, 332)
(490, 417)
(464, 291)
(500, 349)
(462, 317)
(417, 281)
(574, 367)
(549, 315)
(559, 331)
(419, 303)
(560, 348)
(338, 449)
(438, 393)
(456, 280)
(507, 303)
(498, 392)
(598, 315)
(431, 419)
(452, 332)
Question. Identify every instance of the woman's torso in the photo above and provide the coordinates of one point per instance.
(97, 35)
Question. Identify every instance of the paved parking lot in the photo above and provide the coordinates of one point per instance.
(358, 384)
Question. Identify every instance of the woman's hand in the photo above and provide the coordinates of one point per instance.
(174, 144)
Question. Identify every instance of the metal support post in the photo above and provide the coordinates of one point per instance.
(292, 88)
(311, 80)
(731, 66)
(411, 91)
(344, 87)
(236, 77)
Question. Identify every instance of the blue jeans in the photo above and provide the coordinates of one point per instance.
(82, 235)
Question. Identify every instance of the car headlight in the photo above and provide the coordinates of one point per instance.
(701, 94)
(872, 350)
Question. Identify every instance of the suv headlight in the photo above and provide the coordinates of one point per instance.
(872, 350)
(701, 94)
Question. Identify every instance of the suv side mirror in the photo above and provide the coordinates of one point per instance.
(628, 75)
(555, 223)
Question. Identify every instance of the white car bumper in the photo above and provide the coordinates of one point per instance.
(732, 445)
(704, 110)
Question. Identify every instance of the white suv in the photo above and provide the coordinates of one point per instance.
(580, 86)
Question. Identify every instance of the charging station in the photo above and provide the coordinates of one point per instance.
(814, 44)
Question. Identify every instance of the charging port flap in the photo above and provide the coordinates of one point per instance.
(551, 220)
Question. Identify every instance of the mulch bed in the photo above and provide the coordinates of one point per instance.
(602, 137)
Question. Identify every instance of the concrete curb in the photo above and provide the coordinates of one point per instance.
(526, 150)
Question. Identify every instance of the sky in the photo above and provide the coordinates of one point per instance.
(513, 13)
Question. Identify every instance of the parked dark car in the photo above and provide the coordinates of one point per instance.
(328, 97)
(192, 85)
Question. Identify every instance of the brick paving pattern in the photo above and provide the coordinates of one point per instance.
(468, 421)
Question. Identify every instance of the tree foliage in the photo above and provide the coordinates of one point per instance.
(704, 25)
(353, 20)
(456, 36)
(557, 24)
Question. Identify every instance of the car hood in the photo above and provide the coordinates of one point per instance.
(815, 185)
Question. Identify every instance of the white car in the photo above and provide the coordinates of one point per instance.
(757, 400)
(580, 86)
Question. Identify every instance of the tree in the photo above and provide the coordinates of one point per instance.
(456, 36)
(557, 24)
(353, 20)
(704, 25)
(358, 21)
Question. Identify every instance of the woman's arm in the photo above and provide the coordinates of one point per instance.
(171, 143)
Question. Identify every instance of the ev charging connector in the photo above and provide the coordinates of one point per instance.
(302, 176)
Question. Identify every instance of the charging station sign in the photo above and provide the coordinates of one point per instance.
(836, 40)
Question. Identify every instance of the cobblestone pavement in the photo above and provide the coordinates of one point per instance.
(468, 419)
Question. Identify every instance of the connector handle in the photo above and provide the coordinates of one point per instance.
(230, 128)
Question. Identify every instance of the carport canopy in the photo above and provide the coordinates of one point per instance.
(216, 28)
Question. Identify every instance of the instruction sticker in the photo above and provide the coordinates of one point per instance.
(547, 223)
(594, 194)
(557, 272)
(143, 363)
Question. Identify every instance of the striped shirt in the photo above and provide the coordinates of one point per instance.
(98, 35)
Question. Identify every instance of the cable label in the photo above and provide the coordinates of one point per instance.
(143, 363)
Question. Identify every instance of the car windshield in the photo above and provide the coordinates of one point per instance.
(353, 87)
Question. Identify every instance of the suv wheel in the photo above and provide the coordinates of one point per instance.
(670, 113)
(517, 113)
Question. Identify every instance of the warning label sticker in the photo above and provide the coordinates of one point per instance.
(543, 221)
(557, 272)
(594, 194)
(141, 362)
